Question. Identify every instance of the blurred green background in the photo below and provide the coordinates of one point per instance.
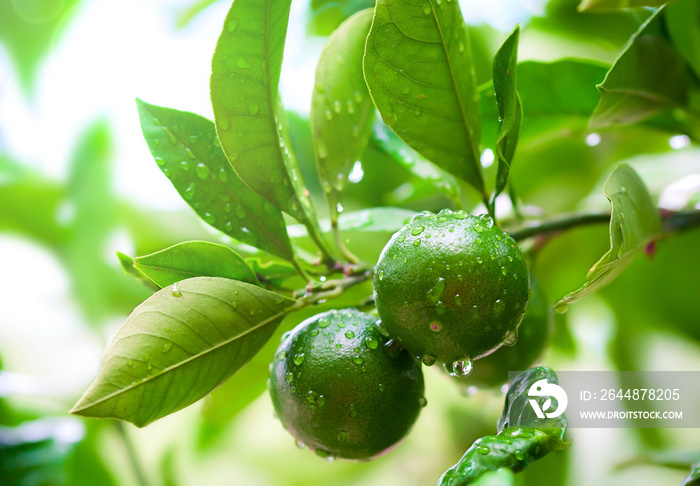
(77, 184)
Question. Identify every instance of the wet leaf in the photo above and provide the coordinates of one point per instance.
(179, 345)
(185, 148)
(634, 223)
(194, 259)
(419, 70)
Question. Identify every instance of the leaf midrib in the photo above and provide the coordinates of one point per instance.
(151, 378)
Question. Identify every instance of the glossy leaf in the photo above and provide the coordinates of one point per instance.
(420, 74)
(327, 15)
(634, 223)
(505, 85)
(194, 259)
(271, 271)
(244, 93)
(180, 344)
(389, 143)
(185, 148)
(341, 109)
(517, 411)
(692, 479)
(127, 264)
(648, 77)
(514, 448)
(607, 5)
(682, 18)
(521, 438)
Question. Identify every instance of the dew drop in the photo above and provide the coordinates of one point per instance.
(358, 360)
(209, 218)
(380, 275)
(149, 367)
(202, 171)
(428, 360)
(167, 347)
(232, 25)
(281, 355)
(349, 334)
(130, 363)
(184, 165)
(483, 450)
(323, 323)
(189, 192)
(393, 348)
(427, 9)
(342, 436)
(299, 359)
(435, 293)
(511, 338)
(422, 401)
(498, 306)
(460, 368)
(416, 243)
(371, 343)
(289, 377)
(417, 230)
(519, 455)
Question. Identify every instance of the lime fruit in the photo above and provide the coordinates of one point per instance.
(341, 388)
(451, 287)
(533, 335)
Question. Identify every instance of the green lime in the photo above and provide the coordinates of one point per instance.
(341, 388)
(533, 334)
(451, 287)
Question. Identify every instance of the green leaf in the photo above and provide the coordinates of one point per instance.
(38, 452)
(29, 29)
(127, 264)
(608, 5)
(517, 411)
(271, 271)
(389, 143)
(505, 84)
(194, 259)
(649, 76)
(514, 448)
(185, 148)
(244, 93)
(682, 19)
(327, 15)
(341, 109)
(692, 479)
(634, 223)
(188, 13)
(418, 67)
(521, 438)
(180, 344)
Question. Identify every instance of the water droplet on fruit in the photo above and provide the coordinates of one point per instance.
(498, 306)
(511, 338)
(349, 334)
(323, 323)
(417, 230)
(358, 360)
(393, 348)
(371, 343)
(435, 293)
(289, 377)
(428, 360)
(483, 450)
(281, 355)
(519, 455)
(299, 359)
(460, 368)
(422, 401)
(416, 243)
(342, 435)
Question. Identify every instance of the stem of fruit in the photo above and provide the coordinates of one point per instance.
(673, 222)
(329, 290)
(559, 224)
(314, 232)
(133, 456)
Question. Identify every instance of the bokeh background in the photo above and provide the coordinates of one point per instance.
(77, 184)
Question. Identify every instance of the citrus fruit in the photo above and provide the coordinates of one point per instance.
(341, 388)
(451, 287)
(533, 334)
